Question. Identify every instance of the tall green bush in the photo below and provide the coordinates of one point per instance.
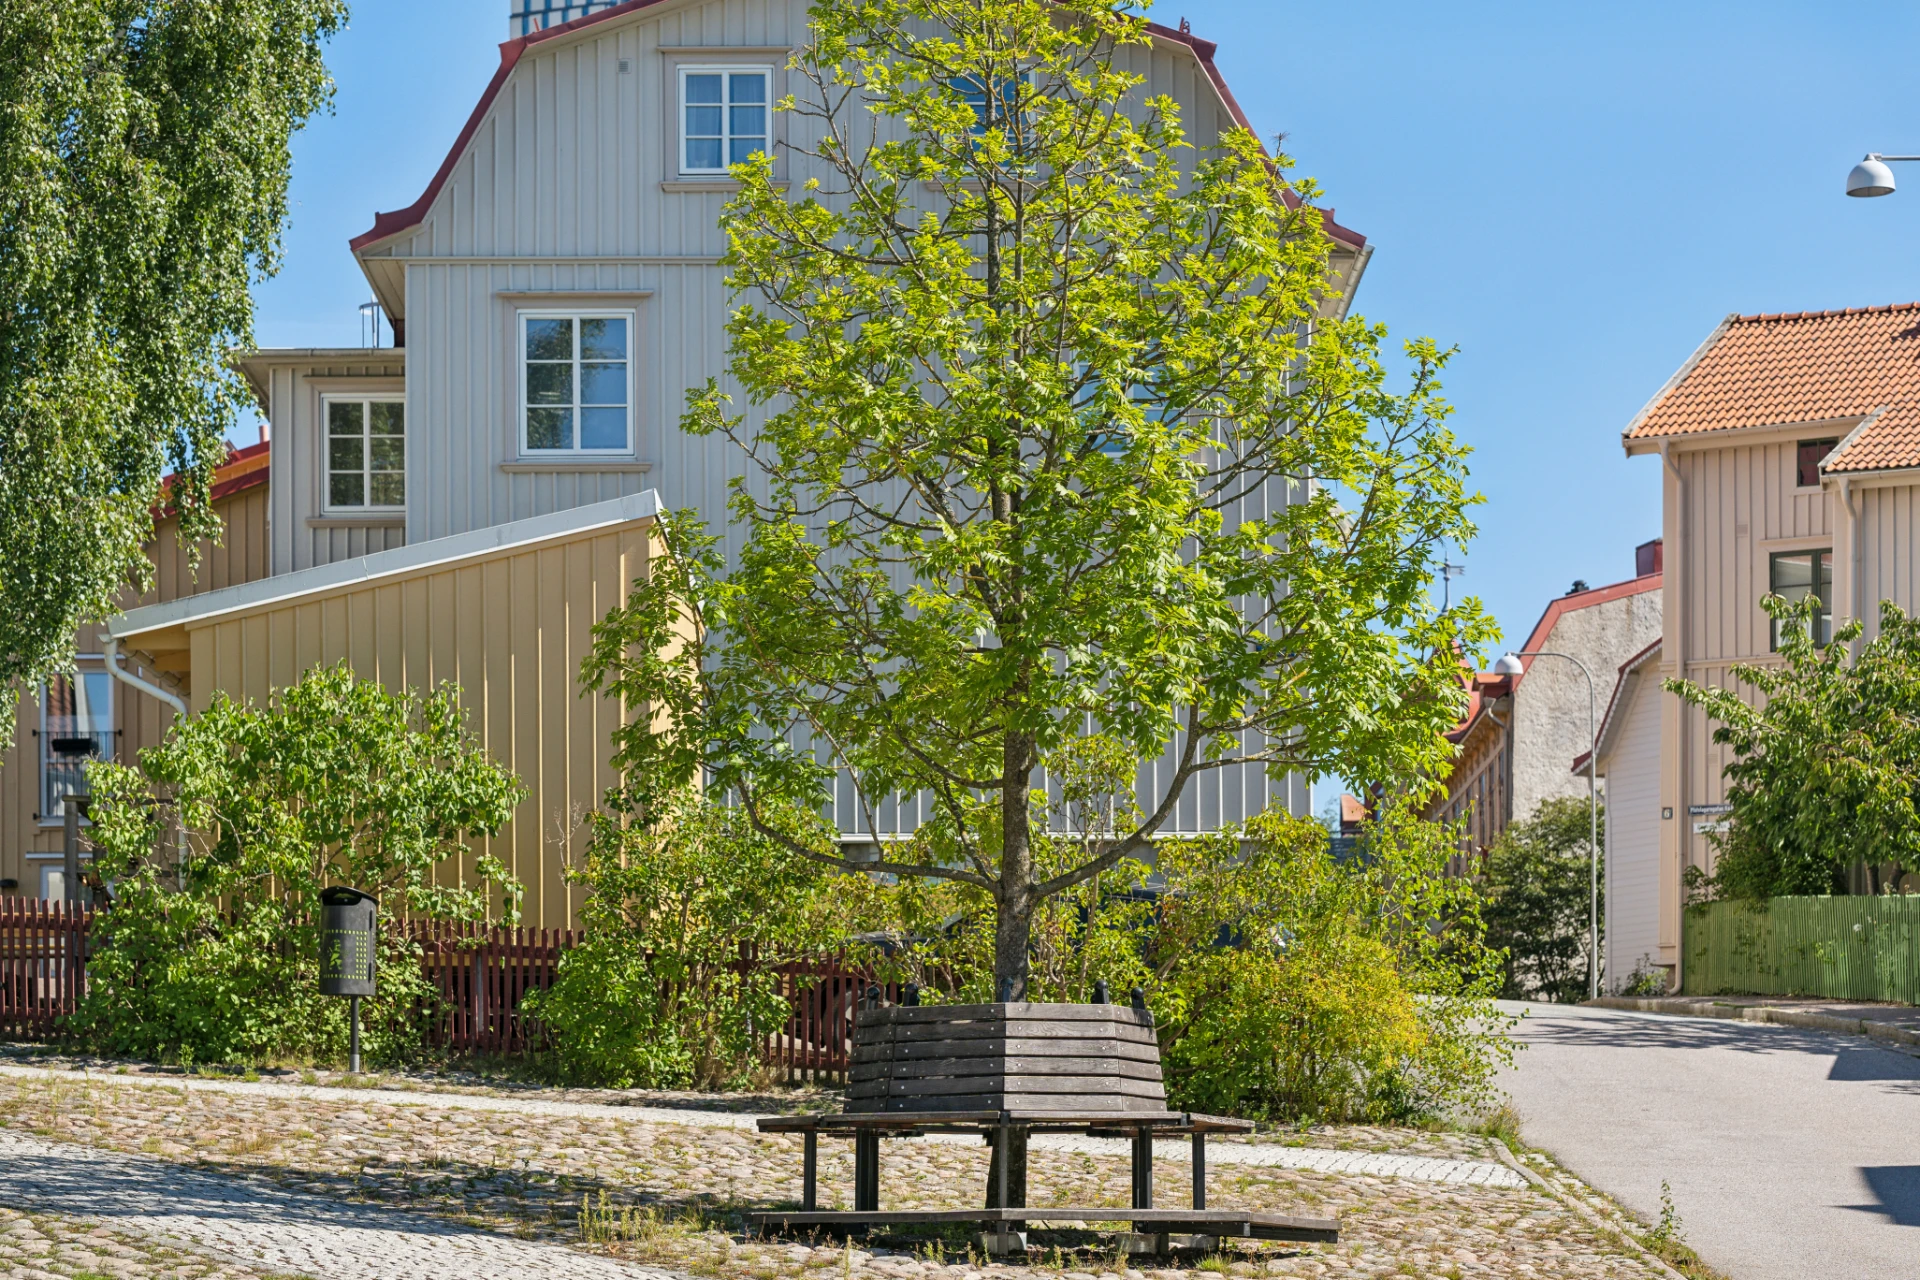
(1826, 757)
(335, 780)
(1287, 984)
(1538, 884)
(657, 994)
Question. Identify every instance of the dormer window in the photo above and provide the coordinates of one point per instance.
(1807, 457)
(366, 453)
(576, 382)
(723, 117)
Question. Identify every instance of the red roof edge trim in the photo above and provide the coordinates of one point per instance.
(1583, 600)
(393, 223)
(247, 477)
(1204, 51)
(1627, 668)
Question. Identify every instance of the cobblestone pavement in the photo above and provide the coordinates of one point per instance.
(668, 1189)
(271, 1230)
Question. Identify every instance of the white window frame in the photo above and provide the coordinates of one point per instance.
(48, 819)
(575, 314)
(680, 113)
(369, 398)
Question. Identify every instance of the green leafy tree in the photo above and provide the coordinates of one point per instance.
(336, 780)
(1537, 881)
(1060, 442)
(1826, 756)
(143, 187)
(656, 994)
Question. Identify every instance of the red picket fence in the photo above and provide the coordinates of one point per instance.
(42, 964)
(482, 973)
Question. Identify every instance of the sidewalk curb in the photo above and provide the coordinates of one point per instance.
(1682, 1007)
(1507, 1157)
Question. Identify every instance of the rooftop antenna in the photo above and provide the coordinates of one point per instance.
(370, 313)
(1448, 572)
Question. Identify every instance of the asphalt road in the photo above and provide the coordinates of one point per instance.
(1792, 1154)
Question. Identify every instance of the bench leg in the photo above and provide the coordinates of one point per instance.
(1007, 1170)
(1143, 1169)
(810, 1173)
(1199, 1170)
(866, 1170)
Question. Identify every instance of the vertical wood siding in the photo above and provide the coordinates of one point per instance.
(1632, 771)
(1889, 566)
(295, 388)
(510, 632)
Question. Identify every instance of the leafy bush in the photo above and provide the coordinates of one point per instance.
(657, 994)
(1826, 768)
(1287, 984)
(1538, 882)
(214, 958)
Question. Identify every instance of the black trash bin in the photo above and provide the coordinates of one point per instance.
(348, 944)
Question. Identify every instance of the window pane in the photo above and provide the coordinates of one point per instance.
(603, 428)
(603, 339)
(389, 490)
(345, 453)
(346, 491)
(703, 154)
(603, 383)
(549, 384)
(389, 418)
(748, 86)
(345, 419)
(1792, 575)
(1808, 457)
(388, 453)
(747, 122)
(703, 88)
(549, 428)
(703, 122)
(741, 150)
(549, 339)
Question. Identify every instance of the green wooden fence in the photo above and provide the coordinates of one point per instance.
(1844, 948)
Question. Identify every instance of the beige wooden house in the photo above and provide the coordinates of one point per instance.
(1789, 450)
(465, 504)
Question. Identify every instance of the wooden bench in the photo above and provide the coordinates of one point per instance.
(1006, 1071)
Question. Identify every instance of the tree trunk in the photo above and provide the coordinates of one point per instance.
(1013, 926)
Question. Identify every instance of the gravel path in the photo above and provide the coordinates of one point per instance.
(272, 1230)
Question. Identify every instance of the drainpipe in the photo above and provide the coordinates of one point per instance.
(111, 651)
(1853, 552)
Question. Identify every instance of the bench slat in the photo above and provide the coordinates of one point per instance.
(1011, 1066)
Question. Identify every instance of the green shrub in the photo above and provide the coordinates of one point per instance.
(1287, 985)
(1538, 885)
(214, 958)
(656, 994)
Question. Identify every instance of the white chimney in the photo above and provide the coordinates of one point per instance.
(524, 17)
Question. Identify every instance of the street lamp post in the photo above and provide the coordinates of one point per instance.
(1510, 665)
(1871, 177)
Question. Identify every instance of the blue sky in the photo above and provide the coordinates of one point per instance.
(1575, 195)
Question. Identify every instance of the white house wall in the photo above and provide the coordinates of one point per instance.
(300, 534)
(1632, 775)
(568, 194)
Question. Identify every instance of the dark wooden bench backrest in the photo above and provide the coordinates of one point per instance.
(997, 1057)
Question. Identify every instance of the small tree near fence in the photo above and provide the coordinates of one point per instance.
(1063, 457)
(335, 780)
(1826, 768)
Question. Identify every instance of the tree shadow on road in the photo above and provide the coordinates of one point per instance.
(1853, 1059)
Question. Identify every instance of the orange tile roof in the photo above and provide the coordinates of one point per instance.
(1804, 366)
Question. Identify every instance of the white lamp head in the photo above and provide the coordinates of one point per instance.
(1870, 178)
(1509, 665)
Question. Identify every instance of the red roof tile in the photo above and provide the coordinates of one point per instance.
(1803, 367)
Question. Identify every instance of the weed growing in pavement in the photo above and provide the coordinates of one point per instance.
(1503, 1123)
(1668, 1241)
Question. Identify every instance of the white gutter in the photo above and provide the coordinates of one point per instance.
(111, 652)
